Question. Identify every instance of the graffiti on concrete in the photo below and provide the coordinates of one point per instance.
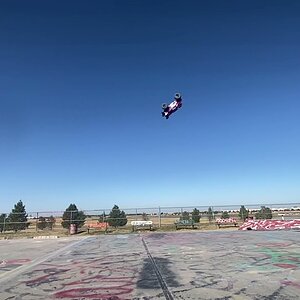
(270, 225)
(215, 265)
(100, 277)
(226, 264)
(91, 271)
(7, 265)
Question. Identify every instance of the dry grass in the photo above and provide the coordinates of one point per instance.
(164, 223)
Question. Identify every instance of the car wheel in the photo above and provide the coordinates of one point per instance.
(177, 96)
(164, 106)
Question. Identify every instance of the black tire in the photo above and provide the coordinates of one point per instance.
(177, 96)
(164, 106)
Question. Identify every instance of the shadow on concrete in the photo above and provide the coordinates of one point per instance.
(148, 278)
(158, 236)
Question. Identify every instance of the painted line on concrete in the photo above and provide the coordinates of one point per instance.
(164, 287)
(8, 275)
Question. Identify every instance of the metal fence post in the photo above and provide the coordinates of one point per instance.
(159, 217)
(105, 220)
(4, 222)
(36, 222)
(71, 220)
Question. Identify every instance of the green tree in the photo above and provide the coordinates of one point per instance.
(264, 213)
(196, 215)
(210, 214)
(42, 224)
(50, 222)
(46, 223)
(73, 216)
(17, 219)
(185, 216)
(117, 217)
(145, 217)
(244, 213)
(2, 222)
(225, 215)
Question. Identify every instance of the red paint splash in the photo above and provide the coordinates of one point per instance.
(101, 278)
(95, 292)
(286, 266)
(291, 283)
(14, 262)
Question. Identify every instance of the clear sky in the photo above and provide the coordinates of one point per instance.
(81, 88)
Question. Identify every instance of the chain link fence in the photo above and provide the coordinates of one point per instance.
(105, 220)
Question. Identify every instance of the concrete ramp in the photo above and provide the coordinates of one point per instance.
(270, 225)
(208, 265)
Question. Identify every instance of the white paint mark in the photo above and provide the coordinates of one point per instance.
(6, 276)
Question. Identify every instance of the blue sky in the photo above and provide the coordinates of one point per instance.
(81, 88)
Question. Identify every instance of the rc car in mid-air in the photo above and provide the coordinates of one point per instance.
(169, 109)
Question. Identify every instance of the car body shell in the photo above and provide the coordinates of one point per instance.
(169, 109)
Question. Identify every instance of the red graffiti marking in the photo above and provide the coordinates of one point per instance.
(51, 276)
(286, 266)
(296, 259)
(14, 262)
(100, 278)
(93, 292)
(291, 283)
(112, 286)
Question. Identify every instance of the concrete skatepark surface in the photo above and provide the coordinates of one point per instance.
(178, 265)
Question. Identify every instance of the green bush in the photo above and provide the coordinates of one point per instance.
(264, 213)
(73, 216)
(117, 217)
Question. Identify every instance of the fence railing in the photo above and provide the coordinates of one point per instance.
(160, 216)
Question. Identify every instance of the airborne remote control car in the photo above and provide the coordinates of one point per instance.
(169, 109)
